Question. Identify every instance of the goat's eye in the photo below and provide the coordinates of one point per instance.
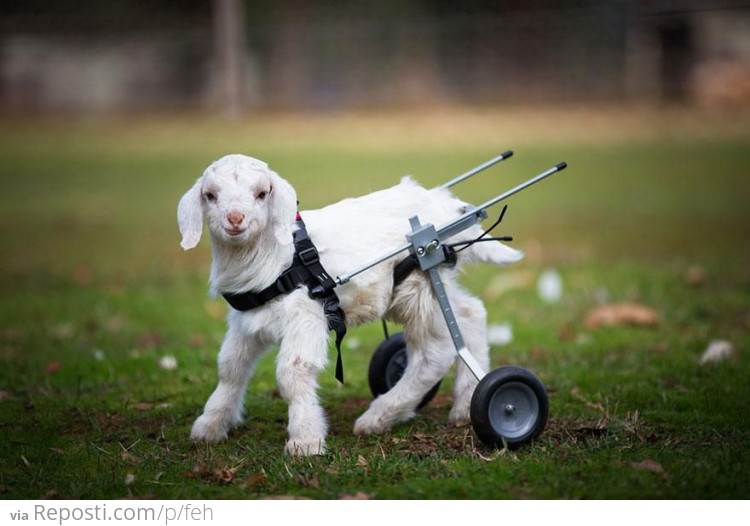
(210, 197)
(261, 195)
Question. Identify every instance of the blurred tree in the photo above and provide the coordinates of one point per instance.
(678, 56)
(230, 48)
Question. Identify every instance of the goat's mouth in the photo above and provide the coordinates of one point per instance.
(234, 232)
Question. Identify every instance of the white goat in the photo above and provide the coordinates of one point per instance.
(250, 213)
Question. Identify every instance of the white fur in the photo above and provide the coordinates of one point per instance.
(249, 211)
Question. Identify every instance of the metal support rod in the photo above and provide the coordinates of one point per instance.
(367, 266)
(476, 170)
(452, 323)
(457, 225)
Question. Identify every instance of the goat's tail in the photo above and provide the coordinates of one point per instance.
(475, 247)
(493, 252)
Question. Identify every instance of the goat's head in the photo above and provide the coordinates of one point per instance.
(238, 198)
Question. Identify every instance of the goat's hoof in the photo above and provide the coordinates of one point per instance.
(459, 421)
(306, 448)
(368, 425)
(459, 417)
(207, 429)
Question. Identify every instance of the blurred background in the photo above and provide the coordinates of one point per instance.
(647, 100)
(233, 55)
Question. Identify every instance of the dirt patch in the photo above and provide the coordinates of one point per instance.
(447, 441)
(111, 426)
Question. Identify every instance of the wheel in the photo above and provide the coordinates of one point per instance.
(387, 367)
(509, 407)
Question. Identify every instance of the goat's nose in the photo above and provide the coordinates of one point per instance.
(235, 218)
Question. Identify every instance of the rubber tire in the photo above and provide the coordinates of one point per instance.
(492, 424)
(387, 367)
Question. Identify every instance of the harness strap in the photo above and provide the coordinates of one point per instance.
(308, 255)
(403, 268)
(305, 270)
(410, 263)
(287, 282)
(321, 288)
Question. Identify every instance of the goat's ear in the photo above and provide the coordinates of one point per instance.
(284, 209)
(190, 216)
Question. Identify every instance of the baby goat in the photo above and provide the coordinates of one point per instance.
(250, 212)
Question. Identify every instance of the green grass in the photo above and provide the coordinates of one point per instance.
(95, 291)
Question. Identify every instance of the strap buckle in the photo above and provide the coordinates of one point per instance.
(308, 256)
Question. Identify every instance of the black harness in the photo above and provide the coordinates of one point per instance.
(411, 263)
(305, 270)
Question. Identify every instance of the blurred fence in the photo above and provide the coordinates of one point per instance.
(301, 56)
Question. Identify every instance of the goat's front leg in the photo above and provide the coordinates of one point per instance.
(223, 410)
(302, 355)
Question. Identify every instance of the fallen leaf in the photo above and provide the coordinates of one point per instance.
(648, 465)
(52, 367)
(128, 457)
(223, 475)
(357, 496)
(199, 471)
(254, 480)
(695, 276)
(717, 351)
(143, 406)
(617, 314)
(361, 461)
(129, 479)
(150, 340)
(197, 340)
(82, 275)
(226, 475)
(567, 333)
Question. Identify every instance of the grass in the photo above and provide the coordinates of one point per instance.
(95, 292)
